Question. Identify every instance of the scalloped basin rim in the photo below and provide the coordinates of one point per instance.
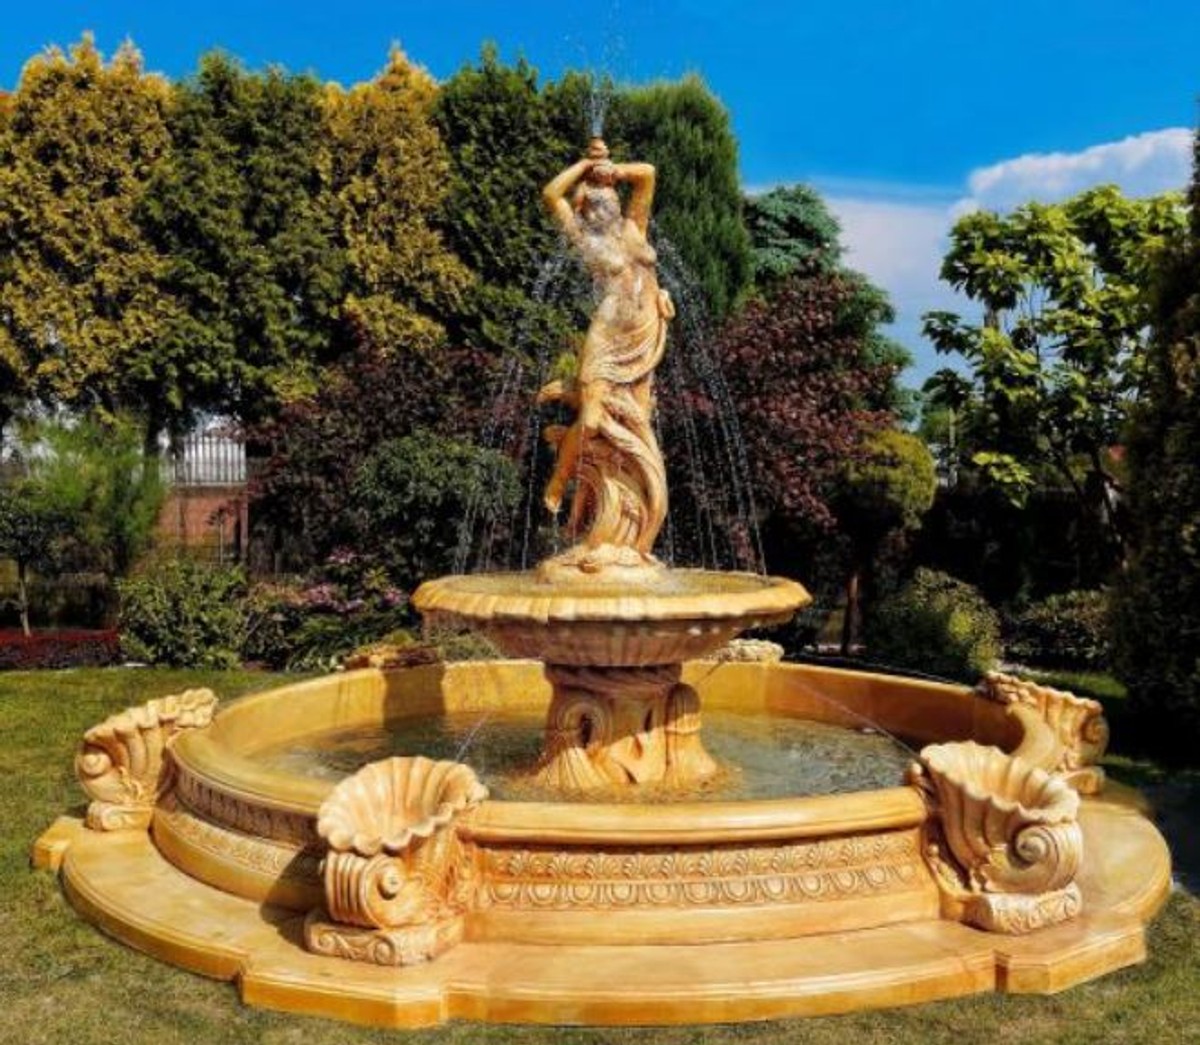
(677, 595)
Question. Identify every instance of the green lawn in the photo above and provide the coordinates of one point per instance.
(61, 981)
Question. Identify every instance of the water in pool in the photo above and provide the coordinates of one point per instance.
(764, 756)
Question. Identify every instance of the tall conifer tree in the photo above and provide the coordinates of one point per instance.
(81, 312)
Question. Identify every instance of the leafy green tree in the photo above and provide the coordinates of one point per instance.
(241, 208)
(1156, 613)
(389, 173)
(81, 309)
(946, 399)
(684, 131)
(31, 533)
(95, 476)
(414, 491)
(1058, 353)
(885, 491)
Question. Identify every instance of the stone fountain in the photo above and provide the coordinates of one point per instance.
(634, 884)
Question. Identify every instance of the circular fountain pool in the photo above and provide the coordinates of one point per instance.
(602, 911)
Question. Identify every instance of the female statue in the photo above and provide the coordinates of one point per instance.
(610, 449)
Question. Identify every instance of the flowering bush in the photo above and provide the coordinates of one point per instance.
(311, 625)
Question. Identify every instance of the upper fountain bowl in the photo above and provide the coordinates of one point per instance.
(676, 615)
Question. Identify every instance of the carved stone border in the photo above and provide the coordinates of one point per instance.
(547, 878)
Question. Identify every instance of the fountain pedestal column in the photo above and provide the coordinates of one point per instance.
(612, 726)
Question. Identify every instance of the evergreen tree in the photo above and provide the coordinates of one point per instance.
(1157, 605)
(389, 172)
(790, 229)
(81, 311)
(793, 234)
(496, 124)
(241, 208)
(684, 131)
(499, 128)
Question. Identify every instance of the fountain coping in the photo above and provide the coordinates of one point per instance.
(670, 595)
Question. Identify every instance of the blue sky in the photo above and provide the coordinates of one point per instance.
(902, 113)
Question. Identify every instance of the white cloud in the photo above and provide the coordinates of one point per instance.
(897, 234)
(1142, 165)
(899, 246)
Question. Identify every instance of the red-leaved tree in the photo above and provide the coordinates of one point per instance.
(804, 383)
(312, 453)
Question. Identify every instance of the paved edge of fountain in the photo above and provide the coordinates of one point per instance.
(121, 883)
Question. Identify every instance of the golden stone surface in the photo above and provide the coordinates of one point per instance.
(607, 914)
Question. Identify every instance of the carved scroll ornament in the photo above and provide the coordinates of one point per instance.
(1006, 844)
(396, 876)
(122, 762)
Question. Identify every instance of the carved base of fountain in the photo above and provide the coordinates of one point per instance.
(628, 912)
(612, 726)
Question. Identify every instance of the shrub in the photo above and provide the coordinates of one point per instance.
(59, 649)
(313, 625)
(1064, 631)
(183, 613)
(414, 493)
(937, 625)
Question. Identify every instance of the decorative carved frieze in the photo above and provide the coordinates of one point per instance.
(1005, 844)
(122, 762)
(256, 853)
(397, 878)
(548, 878)
(252, 818)
(1077, 722)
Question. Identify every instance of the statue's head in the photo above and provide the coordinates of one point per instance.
(598, 207)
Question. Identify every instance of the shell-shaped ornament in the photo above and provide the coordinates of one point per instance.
(1010, 825)
(387, 805)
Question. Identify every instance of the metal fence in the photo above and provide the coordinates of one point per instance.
(212, 458)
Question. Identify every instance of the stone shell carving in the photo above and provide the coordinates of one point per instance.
(1078, 724)
(396, 877)
(1009, 842)
(386, 805)
(122, 762)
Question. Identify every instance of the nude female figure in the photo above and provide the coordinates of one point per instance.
(611, 448)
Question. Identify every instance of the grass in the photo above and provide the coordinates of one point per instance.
(62, 981)
(1098, 685)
